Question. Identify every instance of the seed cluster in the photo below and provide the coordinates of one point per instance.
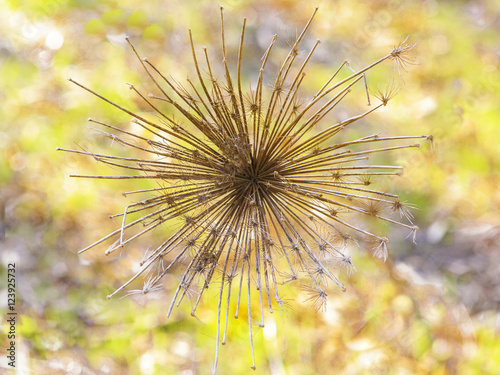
(258, 194)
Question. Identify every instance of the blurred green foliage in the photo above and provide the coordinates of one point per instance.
(386, 323)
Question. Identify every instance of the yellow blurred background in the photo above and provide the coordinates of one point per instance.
(431, 309)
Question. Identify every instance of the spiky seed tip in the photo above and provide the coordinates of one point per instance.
(387, 94)
(400, 55)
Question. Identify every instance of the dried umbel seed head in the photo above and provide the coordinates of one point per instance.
(259, 196)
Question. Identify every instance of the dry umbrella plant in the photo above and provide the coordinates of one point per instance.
(257, 194)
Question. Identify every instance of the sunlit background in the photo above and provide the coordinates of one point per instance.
(432, 308)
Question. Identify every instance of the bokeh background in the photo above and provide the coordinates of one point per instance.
(432, 308)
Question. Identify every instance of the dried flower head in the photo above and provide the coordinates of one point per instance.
(401, 55)
(259, 194)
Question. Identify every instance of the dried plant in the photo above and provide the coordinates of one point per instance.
(259, 195)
